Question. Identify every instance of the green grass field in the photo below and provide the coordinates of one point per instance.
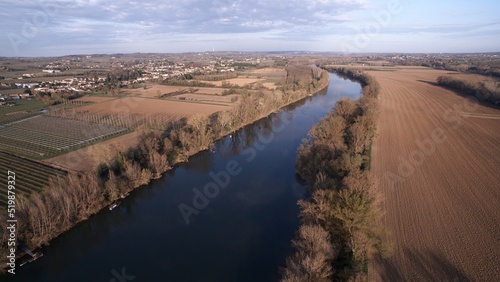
(21, 106)
(11, 91)
(22, 109)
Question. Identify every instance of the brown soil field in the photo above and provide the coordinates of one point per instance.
(152, 92)
(214, 83)
(240, 81)
(269, 70)
(209, 90)
(95, 99)
(206, 98)
(83, 160)
(137, 105)
(436, 159)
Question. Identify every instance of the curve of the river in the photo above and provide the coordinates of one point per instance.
(226, 215)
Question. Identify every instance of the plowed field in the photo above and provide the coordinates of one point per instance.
(136, 105)
(437, 161)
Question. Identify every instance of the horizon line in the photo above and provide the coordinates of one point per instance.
(264, 52)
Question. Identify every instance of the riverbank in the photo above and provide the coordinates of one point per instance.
(341, 225)
(78, 197)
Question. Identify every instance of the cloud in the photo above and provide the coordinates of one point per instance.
(64, 25)
(191, 16)
(70, 22)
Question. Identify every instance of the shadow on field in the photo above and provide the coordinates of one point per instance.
(420, 266)
(466, 96)
(428, 82)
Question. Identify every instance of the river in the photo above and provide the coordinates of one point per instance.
(226, 215)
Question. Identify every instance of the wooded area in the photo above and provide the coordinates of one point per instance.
(341, 226)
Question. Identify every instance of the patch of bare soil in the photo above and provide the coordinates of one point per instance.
(156, 90)
(240, 81)
(86, 159)
(95, 99)
(137, 105)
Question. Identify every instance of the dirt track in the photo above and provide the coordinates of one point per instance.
(437, 161)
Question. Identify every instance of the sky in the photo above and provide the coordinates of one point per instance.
(66, 27)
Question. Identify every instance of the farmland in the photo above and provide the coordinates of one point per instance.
(436, 159)
(95, 99)
(155, 91)
(42, 136)
(84, 159)
(145, 106)
(22, 109)
(29, 176)
(206, 95)
(157, 106)
(240, 81)
(113, 107)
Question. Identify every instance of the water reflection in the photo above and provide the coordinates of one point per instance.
(201, 162)
(258, 132)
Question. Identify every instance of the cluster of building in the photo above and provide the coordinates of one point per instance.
(75, 84)
(150, 69)
(154, 70)
(5, 98)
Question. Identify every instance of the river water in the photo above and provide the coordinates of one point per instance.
(226, 215)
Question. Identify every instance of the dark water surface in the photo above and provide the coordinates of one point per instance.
(241, 222)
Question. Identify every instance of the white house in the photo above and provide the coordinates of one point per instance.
(51, 71)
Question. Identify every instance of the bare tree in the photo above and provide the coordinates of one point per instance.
(346, 108)
(313, 256)
(359, 138)
(112, 187)
(101, 154)
(361, 220)
(201, 132)
(329, 132)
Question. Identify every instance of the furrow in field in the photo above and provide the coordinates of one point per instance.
(441, 194)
